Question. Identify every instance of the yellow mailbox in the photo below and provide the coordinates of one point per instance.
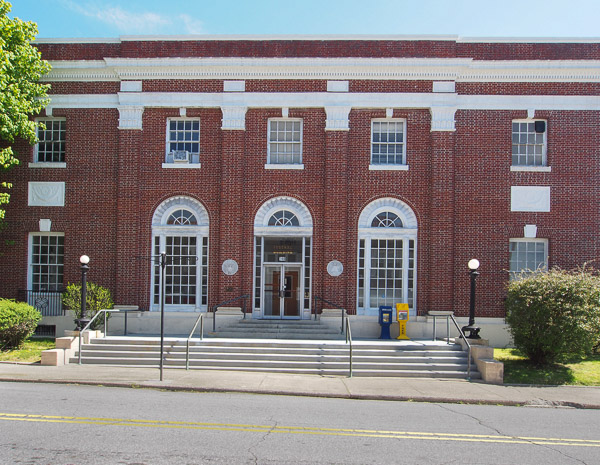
(402, 317)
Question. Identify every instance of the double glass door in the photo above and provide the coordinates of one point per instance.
(282, 291)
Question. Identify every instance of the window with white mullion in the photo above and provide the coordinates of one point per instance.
(51, 140)
(183, 135)
(388, 145)
(529, 143)
(527, 256)
(47, 262)
(285, 141)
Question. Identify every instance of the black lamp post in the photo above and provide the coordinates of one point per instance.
(471, 328)
(83, 321)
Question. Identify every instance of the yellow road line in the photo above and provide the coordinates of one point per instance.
(302, 430)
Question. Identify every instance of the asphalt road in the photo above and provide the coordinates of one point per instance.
(62, 424)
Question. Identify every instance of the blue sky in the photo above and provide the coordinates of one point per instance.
(466, 18)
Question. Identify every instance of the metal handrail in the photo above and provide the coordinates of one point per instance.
(215, 307)
(105, 313)
(349, 340)
(334, 306)
(462, 335)
(187, 351)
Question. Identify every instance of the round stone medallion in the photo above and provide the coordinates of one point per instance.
(335, 268)
(229, 267)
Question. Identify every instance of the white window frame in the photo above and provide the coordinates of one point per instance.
(388, 166)
(36, 149)
(543, 167)
(408, 232)
(514, 274)
(30, 255)
(194, 160)
(282, 166)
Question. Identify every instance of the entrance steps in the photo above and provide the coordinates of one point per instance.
(280, 329)
(432, 359)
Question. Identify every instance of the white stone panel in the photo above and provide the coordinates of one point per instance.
(530, 198)
(46, 194)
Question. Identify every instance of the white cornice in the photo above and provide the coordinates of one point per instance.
(434, 69)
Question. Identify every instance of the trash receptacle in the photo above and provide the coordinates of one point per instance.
(385, 320)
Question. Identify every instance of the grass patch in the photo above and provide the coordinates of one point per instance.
(30, 352)
(519, 370)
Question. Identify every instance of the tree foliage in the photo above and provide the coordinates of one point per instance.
(21, 94)
(554, 314)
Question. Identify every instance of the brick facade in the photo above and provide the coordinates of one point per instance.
(457, 182)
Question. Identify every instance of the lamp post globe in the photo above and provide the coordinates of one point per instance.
(473, 330)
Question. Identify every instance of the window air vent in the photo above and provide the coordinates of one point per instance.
(180, 156)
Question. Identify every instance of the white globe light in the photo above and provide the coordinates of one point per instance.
(84, 259)
(473, 264)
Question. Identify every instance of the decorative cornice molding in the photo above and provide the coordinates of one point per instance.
(331, 69)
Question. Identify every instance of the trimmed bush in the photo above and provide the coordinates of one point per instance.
(18, 321)
(555, 314)
(96, 298)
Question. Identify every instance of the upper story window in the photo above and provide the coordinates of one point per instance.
(529, 143)
(51, 141)
(527, 256)
(183, 141)
(386, 220)
(388, 142)
(283, 218)
(285, 142)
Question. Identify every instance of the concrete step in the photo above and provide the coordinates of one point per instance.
(370, 358)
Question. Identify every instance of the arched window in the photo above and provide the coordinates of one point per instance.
(386, 220)
(387, 246)
(283, 218)
(180, 229)
(182, 217)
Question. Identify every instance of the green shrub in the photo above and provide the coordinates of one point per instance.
(96, 298)
(555, 314)
(18, 321)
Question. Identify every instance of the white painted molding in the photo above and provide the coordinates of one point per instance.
(406, 214)
(264, 213)
(284, 166)
(389, 112)
(337, 118)
(182, 166)
(130, 117)
(285, 112)
(531, 169)
(48, 164)
(442, 118)
(45, 225)
(165, 209)
(388, 167)
(48, 110)
(234, 118)
(338, 86)
(46, 194)
(530, 231)
(183, 112)
(131, 86)
(530, 113)
(329, 99)
(530, 198)
(332, 69)
(234, 86)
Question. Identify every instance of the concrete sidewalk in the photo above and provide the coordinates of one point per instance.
(398, 389)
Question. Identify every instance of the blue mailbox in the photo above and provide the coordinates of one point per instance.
(385, 320)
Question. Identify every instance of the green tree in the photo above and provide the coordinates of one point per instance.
(21, 94)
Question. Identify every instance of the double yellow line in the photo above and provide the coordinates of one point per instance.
(303, 430)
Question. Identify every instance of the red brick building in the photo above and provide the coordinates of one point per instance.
(365, 171)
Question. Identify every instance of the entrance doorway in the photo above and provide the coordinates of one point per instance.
(282, 291)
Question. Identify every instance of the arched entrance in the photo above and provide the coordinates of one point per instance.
(387, 256)
(282, 260)
(180, 228)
